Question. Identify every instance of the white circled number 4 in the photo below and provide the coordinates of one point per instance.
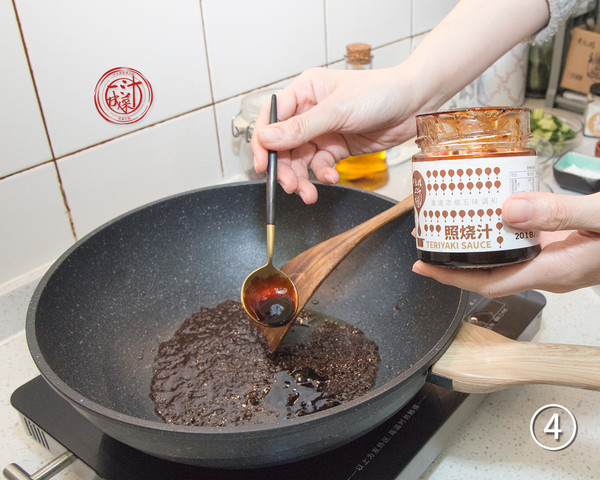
(553, 426)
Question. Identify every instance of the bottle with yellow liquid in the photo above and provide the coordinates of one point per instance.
(367, 171)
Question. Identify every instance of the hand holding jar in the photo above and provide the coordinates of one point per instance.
(569, 229)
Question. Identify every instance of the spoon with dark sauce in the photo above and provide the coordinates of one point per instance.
(268, 295)
(310, 268)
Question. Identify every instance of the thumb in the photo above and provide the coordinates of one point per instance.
(296, 130)
(552, 212)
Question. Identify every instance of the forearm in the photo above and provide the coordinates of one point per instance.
(471, 37)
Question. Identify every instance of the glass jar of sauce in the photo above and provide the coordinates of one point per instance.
(471, 160)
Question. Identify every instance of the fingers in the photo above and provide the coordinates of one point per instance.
(293, 178)
(323, 166)
(287, 177)
(300, 128)
(299, 160)
(563, 265)
(322, 163)
(551, 212)
(496, 282)
(306, 190)
(260, 152)
(569, 259)
(293, 170)
(295, 99)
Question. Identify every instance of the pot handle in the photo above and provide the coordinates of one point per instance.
(480, 360)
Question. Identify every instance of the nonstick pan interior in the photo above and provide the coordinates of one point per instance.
(98, 315)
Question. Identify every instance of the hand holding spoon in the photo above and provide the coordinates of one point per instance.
(268, 295)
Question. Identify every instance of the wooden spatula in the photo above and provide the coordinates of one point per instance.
(309, 269)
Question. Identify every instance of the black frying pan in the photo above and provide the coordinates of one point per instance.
(99, 313)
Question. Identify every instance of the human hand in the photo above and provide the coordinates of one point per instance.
(570, 258)
(326, 115)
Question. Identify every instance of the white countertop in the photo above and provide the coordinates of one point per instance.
(493, 444)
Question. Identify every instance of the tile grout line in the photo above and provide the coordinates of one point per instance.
(174, 117)
(108, 140)
(37, 95)
(412, 21)
(212, 93)
(39, 102)
(65, 201)
(325, 30)
(63, 194)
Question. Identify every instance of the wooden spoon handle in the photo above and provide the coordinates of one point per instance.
(482, 361)
(309, 269)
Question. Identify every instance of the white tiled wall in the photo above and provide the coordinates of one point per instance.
(253, 43)
(72, 43)
(64, 170)
(23, 141)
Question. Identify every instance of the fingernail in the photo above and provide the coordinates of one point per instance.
(271, 134)
(329, 178)
(518, 211)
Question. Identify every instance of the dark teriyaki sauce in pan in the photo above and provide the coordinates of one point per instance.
(216, 370)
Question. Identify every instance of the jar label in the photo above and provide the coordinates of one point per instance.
(592, 124)
(458, 203)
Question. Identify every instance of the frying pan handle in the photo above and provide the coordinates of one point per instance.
(480, 360)
(15, 472)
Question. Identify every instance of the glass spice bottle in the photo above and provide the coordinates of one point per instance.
(368, 171)
(471, 160)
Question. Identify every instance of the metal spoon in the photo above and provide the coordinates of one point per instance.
(310, 268)
(268, 295)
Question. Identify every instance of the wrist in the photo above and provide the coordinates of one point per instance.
(408, 88)
(425, 86)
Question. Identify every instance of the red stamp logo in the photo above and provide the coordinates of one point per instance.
(123, 96)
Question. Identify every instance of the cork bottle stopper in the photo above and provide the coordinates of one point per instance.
(358, 53)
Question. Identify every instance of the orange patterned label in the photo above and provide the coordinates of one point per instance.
(458, 203)
(593, 125)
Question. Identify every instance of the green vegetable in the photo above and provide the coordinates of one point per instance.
(537, 113)
(550, 127)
